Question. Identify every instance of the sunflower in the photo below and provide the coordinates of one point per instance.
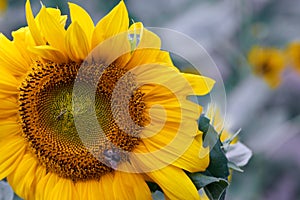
(55, 82)
(293, 54)
(3, 5)
(267, 63)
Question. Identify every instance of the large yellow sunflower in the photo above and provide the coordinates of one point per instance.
(50, 146)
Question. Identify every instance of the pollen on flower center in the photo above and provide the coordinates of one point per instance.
(47, 119)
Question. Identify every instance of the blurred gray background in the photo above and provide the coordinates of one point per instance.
(227, 29)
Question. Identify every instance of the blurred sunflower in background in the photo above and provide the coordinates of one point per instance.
(267, 63)
(42, 154)
(293, 53)
(3, 5)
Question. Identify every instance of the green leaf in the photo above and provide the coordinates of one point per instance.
(203, 123)
(234, 167)
(200, 180)
(216, 190)
(214, 179)
(214, 187)
(218, 161)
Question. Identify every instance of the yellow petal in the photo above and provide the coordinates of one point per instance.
(23, 39)
(49, 53)
(147, 39)
(76, 42)
(54, 12)
(162, 77)
(149, 56)
(162, 148)
(36, 34)
(182, 188)
(84, 20)
(8, 84)
(8, 108)
(45, 186)
(195, 158)
(89, 190)
(133, 186)
(9, 127)
(64, 189)
(106, 186)
(39, 174)
(200, 84)
(11, 153)
(52, 30)
(112, 24)
(25, 176)
(113, 49)
(11, 56)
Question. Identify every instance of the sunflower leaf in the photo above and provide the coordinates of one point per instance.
(216, 175)
(216, 190)
(201, 180)
(234, 167)
(203, 124)
(218, 161)
(214, 187)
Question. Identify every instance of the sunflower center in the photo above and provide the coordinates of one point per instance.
(47, 117)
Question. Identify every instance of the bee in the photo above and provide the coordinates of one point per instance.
(112, 156)
(61, 114)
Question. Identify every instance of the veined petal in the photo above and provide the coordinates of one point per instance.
(200, 84)
(84, 20)
(147, 39)
(89, 190)
(36, 34)
(9, 127)
(159, 149)
(114, 49)
(23, 179)
(52, 30)
(134, 186)
(11, 56)
(76, 42)
(149, 56)
(39, 174)
(49, 53)
(23, 39)
(113, 23)
(56, 15)
(64, 189)
(8, 108)
(196, 158)
(54, 12)
(182, 188)
(8, 84)
(106, 184)
(12, 151)
(45, 185)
